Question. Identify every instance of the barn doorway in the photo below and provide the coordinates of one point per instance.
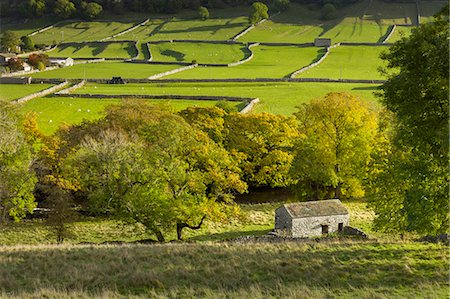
(340, 226)
(324, 229)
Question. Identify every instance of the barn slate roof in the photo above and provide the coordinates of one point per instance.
(319, 208)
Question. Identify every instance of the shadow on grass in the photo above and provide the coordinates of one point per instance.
(374, 88)
(175, 54)
(229, 235)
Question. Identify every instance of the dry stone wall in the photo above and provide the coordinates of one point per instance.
(40, 94)
(72, 88)
(160, 75)
(296, 73)
(389, 34)
(250, 106)
(162, 97)
(126, 31)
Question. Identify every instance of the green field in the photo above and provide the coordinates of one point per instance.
(298, 24)
(55, 111)
(278, 98)
(9, 92)
(25, 27)
(349, 62)
(95, 50)
(400, 32)
(383, 268)
(429, 8)
(201, 52)
(356, 30)
(81, 31)
(267, 62)
(106, 70)
(391, 13)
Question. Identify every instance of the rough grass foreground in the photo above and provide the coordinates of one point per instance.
(224, 270)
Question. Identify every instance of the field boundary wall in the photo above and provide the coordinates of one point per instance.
(240, 80)
(249, 106)
(126, 30)
(157, 97)
(157, 76)
(41, 93)
(389, 34)
(72, 88)
(304, 69)
(20, 73)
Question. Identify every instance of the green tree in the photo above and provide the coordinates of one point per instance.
(149, 166)
(17, 179)
(64, 9)
(258, 13)
(27, 43)
(412, 186)
(328, 11)
(337, 136)
(61, 214)
(10, 41)
(91, 10)
(203, 13)
(281, 5)
(33, 8)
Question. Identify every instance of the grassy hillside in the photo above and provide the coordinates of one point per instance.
(201, 52)
(81, 31)
(9, 92)
(95, 50)
(349, 62)
(330, 270)
(106, 70)
(267, 62)
(277, 97)
(53, 111)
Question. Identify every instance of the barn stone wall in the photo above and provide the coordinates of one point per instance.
(312, 226)
(283, 221)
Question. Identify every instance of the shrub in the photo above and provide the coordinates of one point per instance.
(27, 43)
(203, 13)
(259, 12)
(34, 60)
(40, 66)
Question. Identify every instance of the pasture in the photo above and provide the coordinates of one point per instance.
(24, 27)
(9, 92)
(349, 62)
(267, 62)
(200, 52)
(53, 112)
(387, 268)
(399, 32)
(106, 70)
(429, 8)
(124, 50)
(276, 97)
(298, 24)
(82, 31)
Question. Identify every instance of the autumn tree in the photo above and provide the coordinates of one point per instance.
(412, 187)
(17, 178)
(149, 166)
(260, 143)
(337, 136)
(258, 13)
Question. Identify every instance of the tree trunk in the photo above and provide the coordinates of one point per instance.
(337, 189)
(159, 235)
(181, 225)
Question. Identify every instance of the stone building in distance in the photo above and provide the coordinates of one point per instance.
(311, 218)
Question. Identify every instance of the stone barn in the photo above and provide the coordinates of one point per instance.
(311, 218)
(322, 42)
